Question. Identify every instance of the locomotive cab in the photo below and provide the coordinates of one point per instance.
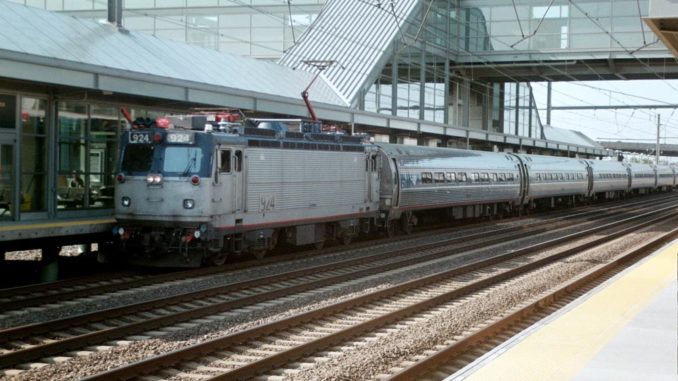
(165, 193)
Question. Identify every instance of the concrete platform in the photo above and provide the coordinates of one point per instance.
(624, 330)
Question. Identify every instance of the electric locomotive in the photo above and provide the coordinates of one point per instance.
(198, 188)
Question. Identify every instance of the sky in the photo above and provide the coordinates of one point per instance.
(637, 125)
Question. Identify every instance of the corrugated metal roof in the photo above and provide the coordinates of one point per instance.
(358, 35)
(569, 136)
(45, 34)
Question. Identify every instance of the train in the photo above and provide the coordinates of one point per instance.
(196, 189)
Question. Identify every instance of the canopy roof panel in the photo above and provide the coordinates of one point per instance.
(356, 36)
(64, 40)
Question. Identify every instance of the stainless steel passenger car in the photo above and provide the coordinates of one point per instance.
(610, 178)
(551, 177)
(415, 178)
(666, 177)
(643, 177)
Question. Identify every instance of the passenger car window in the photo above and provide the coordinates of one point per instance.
(502, 177)
(493, 178)
(426, 177)
(440, 177)
(450, 176)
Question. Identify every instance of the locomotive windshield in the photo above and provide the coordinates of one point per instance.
(137, 158)
(183, 160)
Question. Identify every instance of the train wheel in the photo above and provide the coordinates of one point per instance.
(259, 253)
(346, 239)
(405, 224)
(218, 259)
(391, 229)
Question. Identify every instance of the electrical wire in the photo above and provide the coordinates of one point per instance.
(420, 26)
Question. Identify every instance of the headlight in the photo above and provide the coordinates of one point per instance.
(189, 203)
(121, 231)
(126, 202)
(153, 179)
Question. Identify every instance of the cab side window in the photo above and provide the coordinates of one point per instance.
(238, 161)
(225, 161)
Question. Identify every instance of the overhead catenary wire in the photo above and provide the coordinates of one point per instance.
(420, 26)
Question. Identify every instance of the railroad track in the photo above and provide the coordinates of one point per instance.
(296, 282)
(23, 297)
(264, 348)
(433, 365)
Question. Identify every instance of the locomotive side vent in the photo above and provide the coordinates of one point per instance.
(259, 132)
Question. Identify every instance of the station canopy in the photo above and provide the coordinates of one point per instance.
(53, 48)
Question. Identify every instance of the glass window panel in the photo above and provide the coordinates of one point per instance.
(170, 22)
(33, 155)
(629, 40)
(235, 48)
(36, 3)
(629, 8)
(137, 23)
(136, 4)
(589, 41)
(54, 5)
(598, 9)
(206, 21)
(202, 3)
(33, 192)
(267, 49)
(71, 130)
(584, 25)
(172, 34)
(33, 116)
(105, 125)
(266, 34)
(268, 20)
(72, 119)
(171, 4)
(233, 21)
(235, 35)
(205, 39)
(7, 111)
(627, 24)
(303, 19)
(71, 5)
(6, 181)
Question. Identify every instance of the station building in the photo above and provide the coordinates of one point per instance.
(443, 73)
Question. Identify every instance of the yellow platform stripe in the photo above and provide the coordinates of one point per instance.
(56, 224)
(560, 349)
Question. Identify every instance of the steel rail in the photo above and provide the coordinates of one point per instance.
(439, 358)
(37, 328)
(55, 347)
(51, 293)
(169, 359)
